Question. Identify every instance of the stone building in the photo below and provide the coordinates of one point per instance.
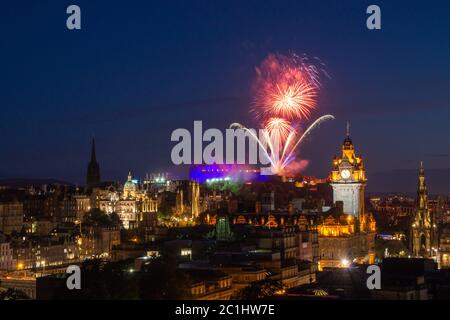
(347, 233)
(7, 261)
(444, 246)
(423, 229)
(11, 216)
(130, 203)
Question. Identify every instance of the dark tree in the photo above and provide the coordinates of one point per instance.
(13, 294)
(97, 218)
(260, 290)
(103, 281)
(161, 279)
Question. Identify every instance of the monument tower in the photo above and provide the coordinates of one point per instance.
(421, 228)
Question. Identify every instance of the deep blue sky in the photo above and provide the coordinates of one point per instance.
(139, 69)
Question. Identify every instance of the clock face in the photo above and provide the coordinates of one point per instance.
(345, 174)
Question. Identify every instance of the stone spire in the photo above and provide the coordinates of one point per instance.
(93, 155)
(93, 170)
(421, 227)
(422, 194)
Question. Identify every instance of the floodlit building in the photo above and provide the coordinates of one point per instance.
(347, 233)
(130, 204)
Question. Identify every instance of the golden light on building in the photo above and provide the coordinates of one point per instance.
(347, 233)
(333, 227)
(280, 292)
(345, 263)
(195, 199)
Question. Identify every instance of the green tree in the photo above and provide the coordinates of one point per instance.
(232, 186)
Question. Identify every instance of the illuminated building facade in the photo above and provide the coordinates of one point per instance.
(98, 241)
(347, 233)
(195, 199)
(187, 202)
(44, 252)
(157, 182)
(82, 206)
(130, 204)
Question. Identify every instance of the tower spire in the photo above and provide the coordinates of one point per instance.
(422, 232)
(422, 195)
(93, 170)
(348, 129)
(93, 155)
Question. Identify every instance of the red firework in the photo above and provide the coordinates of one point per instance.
(286, 86)
(279, 126)
(286, 90)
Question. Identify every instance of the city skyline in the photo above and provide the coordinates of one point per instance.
(224, 158)
(438, 178)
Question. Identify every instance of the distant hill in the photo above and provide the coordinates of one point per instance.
(15, 183)
(391, 181)
(405, 181)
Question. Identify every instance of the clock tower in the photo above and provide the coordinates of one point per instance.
(348, 179)
(347, 232)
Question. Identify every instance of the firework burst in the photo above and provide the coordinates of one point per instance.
(286, 86)
(286, 91)
(279, 126)
(293, 101)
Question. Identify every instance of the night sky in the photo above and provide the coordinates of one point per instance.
(140, 69)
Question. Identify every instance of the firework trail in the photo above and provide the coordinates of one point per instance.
(307, 132)
(286, 90)
(288, 148)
